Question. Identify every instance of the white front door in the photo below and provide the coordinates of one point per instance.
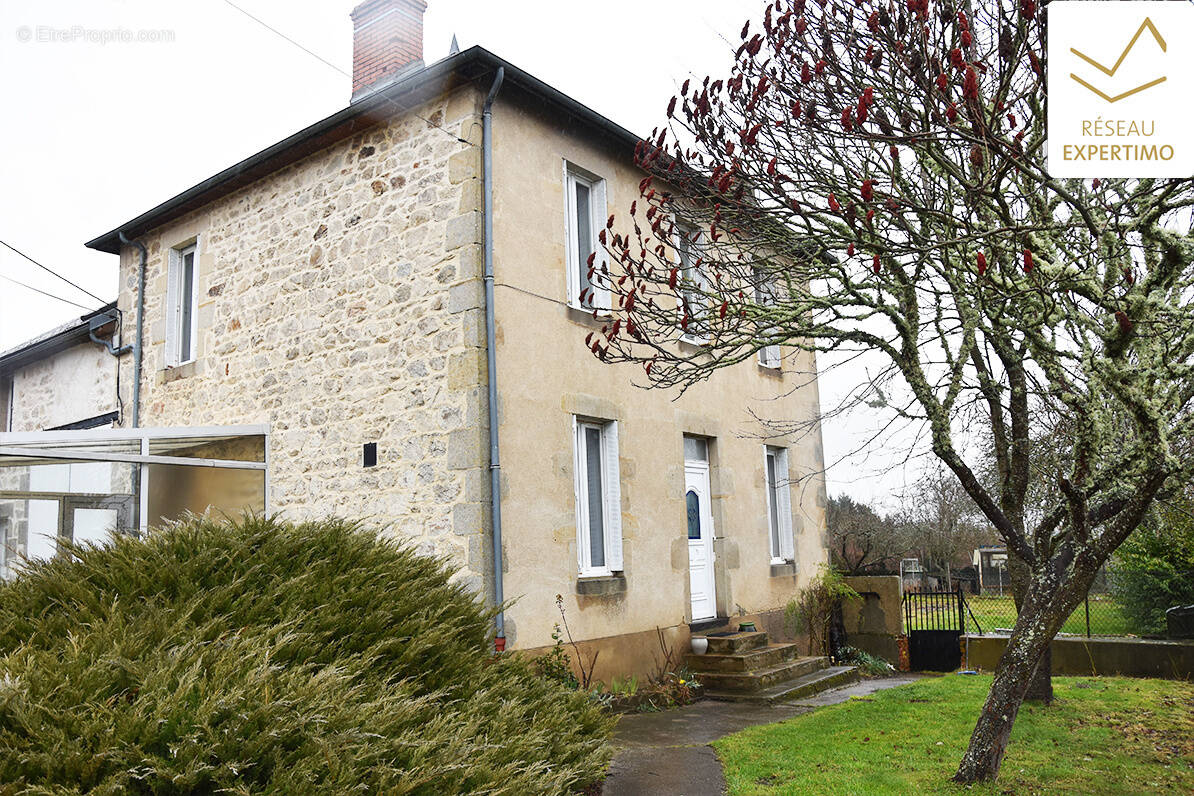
(700, 540)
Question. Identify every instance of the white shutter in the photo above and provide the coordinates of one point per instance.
(602, 298)
(582, 543)
(784, 502)
(613, 498)
(173, 272)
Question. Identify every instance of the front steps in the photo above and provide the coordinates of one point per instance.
(746, 667)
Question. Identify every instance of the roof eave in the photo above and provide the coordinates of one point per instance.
(463, 67)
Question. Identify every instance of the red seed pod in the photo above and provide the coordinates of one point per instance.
(963, 22)
(970, 87)
(671, 107)
(1011, 120)
(806, 74)
(833, 205)
(1027, 9)
(875, 266)
(982, 263)
(850, 250)
(797, 108)
(1125, 323)
(820, 68)
(1028, 264)
(862, 112)
(967, 39)
(847, 122)
(610, 223)
(868, 95)
(894, 151)
(650, 365)
(870, 217)
(771, 165)
(872, 21)
(633, 206)
(951, 113)
(1129, 277)
(868, 190)
(955, 58)
(1095, 183)
(942, 81)
(672, 277)
(725, 305)
(588, 339)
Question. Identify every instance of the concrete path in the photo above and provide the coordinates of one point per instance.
(668, 753)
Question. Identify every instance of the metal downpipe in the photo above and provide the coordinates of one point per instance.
(495, 466)
(137, 349)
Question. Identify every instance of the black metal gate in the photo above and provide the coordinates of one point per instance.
(934, 622)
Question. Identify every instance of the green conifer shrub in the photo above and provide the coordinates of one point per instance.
(258, 656)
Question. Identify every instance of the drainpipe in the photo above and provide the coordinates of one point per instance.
(140, 327)
(495, 466)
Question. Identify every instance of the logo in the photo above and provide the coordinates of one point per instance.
(1148, 25)
(1132, 118)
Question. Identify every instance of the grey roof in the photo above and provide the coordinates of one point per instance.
(57, 339)
(408, 89)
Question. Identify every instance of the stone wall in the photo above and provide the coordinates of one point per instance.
(66, 387)
(340, 304)
(875, 622)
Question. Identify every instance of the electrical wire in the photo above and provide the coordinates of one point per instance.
(44, 293)
(340, 71)
(49, 270)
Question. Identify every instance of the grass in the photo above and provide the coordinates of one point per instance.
(1106, 618)
(1101, 736)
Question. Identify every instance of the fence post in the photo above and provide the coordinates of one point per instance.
(961, 609)
(1086, 600)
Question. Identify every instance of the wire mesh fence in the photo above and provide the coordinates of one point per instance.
(1119, 603)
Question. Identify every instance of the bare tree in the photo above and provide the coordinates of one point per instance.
(861, 541)
(871, 176)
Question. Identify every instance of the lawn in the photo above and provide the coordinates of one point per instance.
(992, 612)
(1103, 735)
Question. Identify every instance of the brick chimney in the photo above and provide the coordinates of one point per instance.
(387, 39)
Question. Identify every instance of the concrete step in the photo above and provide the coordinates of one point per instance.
(760, 679)
(730, 643)
(749, 661)
(800, 688)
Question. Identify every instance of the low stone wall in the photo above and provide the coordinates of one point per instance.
(1131, 657)
(874, 623)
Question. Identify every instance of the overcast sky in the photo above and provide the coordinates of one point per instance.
(99, 128)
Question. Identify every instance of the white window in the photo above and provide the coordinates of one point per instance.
(693, 284)
(779, 504)
(598, 498)
(182, 305)
(769, 355)
(585, 218)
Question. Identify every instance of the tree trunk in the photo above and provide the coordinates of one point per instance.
(1013, 676)
(1047, 602)
(1041, 687)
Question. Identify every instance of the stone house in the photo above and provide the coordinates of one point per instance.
(317, 320)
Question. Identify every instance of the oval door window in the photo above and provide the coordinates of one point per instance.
(694, 514)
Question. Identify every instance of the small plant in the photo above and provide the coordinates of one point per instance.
(871, 665)
(811, 611)
(556, 665)
(586, 670)
(624, 688)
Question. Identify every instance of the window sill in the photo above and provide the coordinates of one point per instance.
(601, 586)
(174, 372)
(577, 315)
(784, 569)
(774, 371)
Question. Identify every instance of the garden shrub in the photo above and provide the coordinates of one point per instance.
(1154, 569)
(263, 657)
